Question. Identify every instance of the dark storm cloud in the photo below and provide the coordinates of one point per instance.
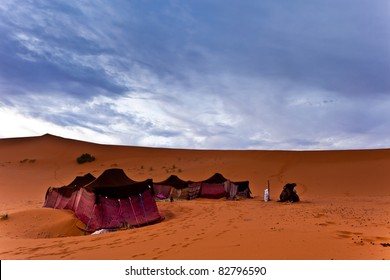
(335, 45)
(204, 74)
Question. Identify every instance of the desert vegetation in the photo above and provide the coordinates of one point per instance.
(85, 158)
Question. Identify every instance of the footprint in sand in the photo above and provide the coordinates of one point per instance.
(196, 239)
(327, 223)
(187, 226)
(357, 238)
(138, 255)
(347, 234)
(221, 233)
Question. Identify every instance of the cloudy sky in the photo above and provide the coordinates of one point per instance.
(204, 74)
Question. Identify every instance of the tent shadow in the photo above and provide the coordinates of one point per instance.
(167, 215)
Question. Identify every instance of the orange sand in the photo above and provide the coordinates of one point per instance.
(344, 213)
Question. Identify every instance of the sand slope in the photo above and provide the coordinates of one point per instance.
(344, 213)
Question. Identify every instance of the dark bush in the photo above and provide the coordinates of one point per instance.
(85, 158)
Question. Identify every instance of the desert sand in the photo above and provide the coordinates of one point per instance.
(344, 211)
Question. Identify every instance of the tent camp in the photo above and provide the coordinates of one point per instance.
(113, 200)
(217, 186)
(173, 187)
(64, 197)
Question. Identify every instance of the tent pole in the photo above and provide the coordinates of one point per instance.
(132, 208)
(90, 218)
(269, 193)
(143, 208)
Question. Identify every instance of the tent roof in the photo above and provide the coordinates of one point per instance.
(174, 182)
(242, 185)
(110, 177)
(114, 183)
(77, 183)
(81, 181)
(217, 178)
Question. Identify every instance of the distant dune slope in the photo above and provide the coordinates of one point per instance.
(28, 166)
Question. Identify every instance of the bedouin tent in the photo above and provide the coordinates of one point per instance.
(64, 197)
(114, 200)
(173, 186)
(217, 186)
(243, 189)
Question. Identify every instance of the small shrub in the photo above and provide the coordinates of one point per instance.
(85, 158)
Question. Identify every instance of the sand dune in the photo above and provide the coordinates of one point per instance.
(344, 213)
